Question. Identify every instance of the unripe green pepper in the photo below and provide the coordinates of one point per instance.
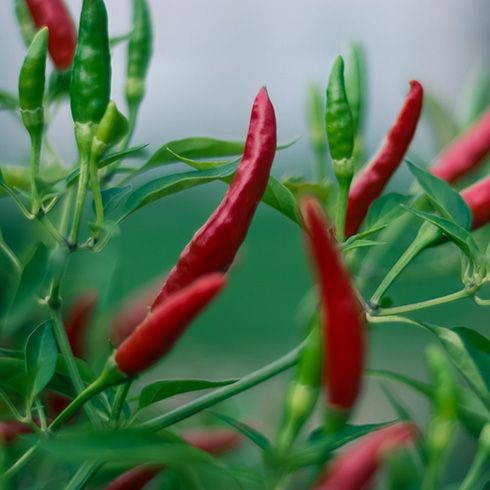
(139, 53)
(111, 130)
(31, 83)
(90, 86)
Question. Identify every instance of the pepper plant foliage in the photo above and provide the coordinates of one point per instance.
(70, 415)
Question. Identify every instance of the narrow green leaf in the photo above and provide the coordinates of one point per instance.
(421, 387)
(41, 357)
(255, 436)
(170, 184)
(121, 155)
(454, 232)
(444, 198)
(385, 210)
(361, 244)
(160, 390)
(8, 101)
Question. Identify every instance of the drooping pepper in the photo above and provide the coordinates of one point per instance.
(54, 15)
(369, 184)
(158, 333)
(342, 318)
(477, 196)
(465, 153)
(90, 85)
(215, 244)
(356, 467)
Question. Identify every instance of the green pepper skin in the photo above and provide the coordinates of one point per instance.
(340, 126)
(111, 130)
(32, 81)
(91, 74)
(139, 52)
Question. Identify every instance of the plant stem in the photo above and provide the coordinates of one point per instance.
(99, 207)
(44, 220)
(67, 210)
(83, 476)
(477, 468)
(426, 236)
(464, 293)
(341, 210)
(10, 255)
(20, 463)
(206, 401)
(11, 406)
(36, 143)
(121, 394)
(80, 201)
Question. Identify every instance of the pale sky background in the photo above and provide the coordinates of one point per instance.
(212, 56)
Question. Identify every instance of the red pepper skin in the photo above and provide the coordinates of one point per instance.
(134, 479)
(373, 178)
(213, 441)
(215, 244)
(158, 333)
(134, 311)
(355, 467)
(54, 14)
(477, 196)
(465, 153)
(11, 429)
(343, 322)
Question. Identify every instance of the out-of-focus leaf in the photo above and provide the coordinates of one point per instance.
(8, 101)
(121, 155)
(440, 120)
(385, 210)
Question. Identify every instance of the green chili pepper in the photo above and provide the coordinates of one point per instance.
(90, 86)
(304, 390)
(26, 24)
(139, 54)
(31, 96)
(354, 85)
(340, 125)
(111, 130)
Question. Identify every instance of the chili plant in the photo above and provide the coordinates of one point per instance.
(73, 413)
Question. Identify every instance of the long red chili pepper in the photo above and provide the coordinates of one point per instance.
(465, 153)
(374, 177)
(343, 323)
(212, 441)
(215, 244)
(153, 338)
(54, 14)
(356, 466)
(477, 196)
(134, 311)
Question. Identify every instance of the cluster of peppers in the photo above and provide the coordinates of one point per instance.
(335, 351)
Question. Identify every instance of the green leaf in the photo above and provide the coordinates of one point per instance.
(454, 232)
(115, 40)
(122, 446)
(121, 155)
(113, 200)
(255, 436)
(160, 390)
(298, 187)
(85, 371)
(441, 122)
(444, 198)
(424, 388)
(470, 352)
(361, 244)
(41, 355)
(170, 184)
(8, 101)
(385, 210)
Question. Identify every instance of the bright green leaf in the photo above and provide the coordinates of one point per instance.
(121, 155)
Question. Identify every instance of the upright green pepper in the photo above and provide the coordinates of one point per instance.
(31, 96)
(90, 86)
(340, 132)
(139, 55)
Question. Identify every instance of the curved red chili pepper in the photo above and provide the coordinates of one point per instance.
(215, 244)
(153, 338)
(132, 314)
(343, 323)
(134, 479)
(355, 467)
(465, 153)
(54, 14)
(373, 178)
(477, 196)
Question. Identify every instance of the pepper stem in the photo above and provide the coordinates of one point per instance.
(80, 201)
(99, 207)
(36, 144)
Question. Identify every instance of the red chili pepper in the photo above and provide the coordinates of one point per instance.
(153, 338)
(54, 14)
(134, 311)
(477, 196)
(369, 184)
(214, 246)
(11, 429)
(134, 479)
(465, 153)
(213, 441)
(343, 322)
(355, 467)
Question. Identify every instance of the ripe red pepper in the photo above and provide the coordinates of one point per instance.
(215, 244)
(213, 441)
(355, 467)
(134, 479)
(477, 196)
(343, 322)
(54, 14)
(465, 153)
(369, 184)
(134, 311)
(158, 333)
